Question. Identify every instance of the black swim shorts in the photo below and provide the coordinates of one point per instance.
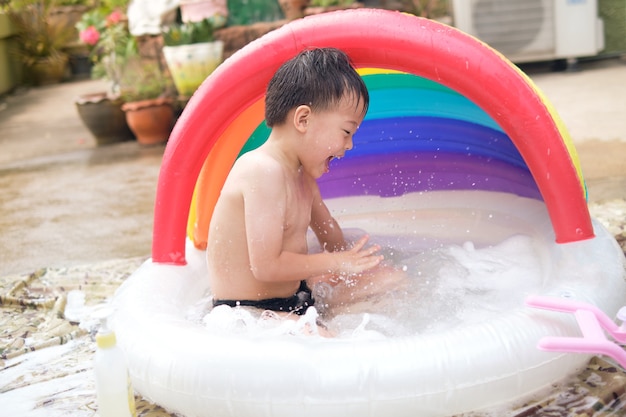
(297, 303)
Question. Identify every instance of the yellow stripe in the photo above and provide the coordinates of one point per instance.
(372, 71)
(564, 133)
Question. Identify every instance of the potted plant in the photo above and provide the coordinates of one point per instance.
(191, 53)
(69, 12)
(148, 101)
(111, 45)
(40, 40)
(105, 32)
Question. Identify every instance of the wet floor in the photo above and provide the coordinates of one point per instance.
(99, 210)
(66, 201)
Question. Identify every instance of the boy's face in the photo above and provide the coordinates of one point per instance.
(329, 134)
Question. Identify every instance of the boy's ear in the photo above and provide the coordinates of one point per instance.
(301, 118)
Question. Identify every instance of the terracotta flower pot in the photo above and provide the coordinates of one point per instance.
(103, 117)
(150, 120)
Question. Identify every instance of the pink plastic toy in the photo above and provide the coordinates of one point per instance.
(593, 324)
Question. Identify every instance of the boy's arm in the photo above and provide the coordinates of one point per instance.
(324, 225)
(265, 208)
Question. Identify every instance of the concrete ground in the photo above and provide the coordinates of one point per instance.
(65, 202)
(592, 104)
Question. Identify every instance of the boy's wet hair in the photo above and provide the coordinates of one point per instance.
(319, 78)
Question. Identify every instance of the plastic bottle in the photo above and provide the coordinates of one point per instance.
(75, 306)
(113, 388)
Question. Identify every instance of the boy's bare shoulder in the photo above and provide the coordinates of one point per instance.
(256, 166)
(256, 157)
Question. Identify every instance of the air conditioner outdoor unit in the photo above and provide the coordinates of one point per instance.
(534, 30)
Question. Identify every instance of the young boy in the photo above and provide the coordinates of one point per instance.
(257, 246)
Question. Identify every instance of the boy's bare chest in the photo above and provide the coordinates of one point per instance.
(298, 208)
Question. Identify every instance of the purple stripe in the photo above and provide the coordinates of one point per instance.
(395, 174)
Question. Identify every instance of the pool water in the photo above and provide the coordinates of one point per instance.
(463, 264)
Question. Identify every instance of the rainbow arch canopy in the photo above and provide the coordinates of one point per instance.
(447, 112)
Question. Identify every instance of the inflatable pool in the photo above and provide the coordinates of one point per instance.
(465, 175)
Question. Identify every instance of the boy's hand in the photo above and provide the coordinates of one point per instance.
(358, 258)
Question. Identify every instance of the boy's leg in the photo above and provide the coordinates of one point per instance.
(358, 288)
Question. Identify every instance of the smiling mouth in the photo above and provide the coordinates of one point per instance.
(330, 158)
